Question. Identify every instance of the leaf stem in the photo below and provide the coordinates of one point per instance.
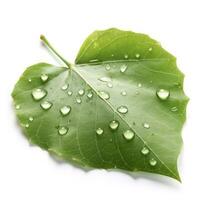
(46, 42)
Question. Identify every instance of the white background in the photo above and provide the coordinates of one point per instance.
(27, 172)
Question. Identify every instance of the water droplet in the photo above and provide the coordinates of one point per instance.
(99, 131)
(78, 100)
(126, 56)
(62, 130)
(122, 109)
(27, 125)
(137, 92)
(114, 124)
(65, 110)
(146, 125)
(90, 95)
(44, 77)
(109, 84)
(81, 92)
(46, 105)
(105, 79)
(104, 95)
(152, 162)
(38, 94)
(139, 85)
(94, 60)
(150, 49)
(123, 93)
(128, 135)
(174, 109)
(30, 119)
(107, 67)
(29, 80)
(137, 55)
(123, 68)
(17, 107)
(145, 151)
(163, 94)
(70, 93)
(65, 86)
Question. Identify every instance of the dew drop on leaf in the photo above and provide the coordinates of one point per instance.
(29, 80)
(146, 125)
(109, 84)
(90, 95)
(114, 124)
(62, 130)
(78, 100)
(174, 109)
(152, 162)
(139, 85)
(99, 131)
(107, 67)
(65, 86)
(81, 92)
(44, 77)
(70, 93)
(27, 125)
(30, 119)
(163, 94)
(123, 68)
(65, 110)
(137, 55)
(38, 94)
(122, 109)
(123, 93)
(46, 105)
(104, 95)
(126, 56)
(128, 135)
(150, 49)
(145, 151)
(17, 107)
(105, 79)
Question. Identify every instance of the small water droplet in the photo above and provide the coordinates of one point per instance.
(81, 92)
(94, 60)
(107, 67)
(105, 79)
(114, 124)
(174, 109)
(30, 119)
(163, 94)
(17, 107)
(70, 93)
(78, 100)
(65, 110)
(27, 125)
(46, 105)
(104, 95)
(122, 109)
(123, 68)
(123, 93)
(152, 162)
(137, 55)
(146, 125)
(99, 131)
(128, 135)
(150, 49)
(126, 56)
(139, 85)
(65, 86)
(38, 94)
(112, 55)
(29, 80)
(44, 77)
(137, 92)
(109, 84)
(145, 151)
(62, 130)
(90, 95)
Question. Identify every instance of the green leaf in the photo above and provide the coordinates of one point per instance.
(120, 106)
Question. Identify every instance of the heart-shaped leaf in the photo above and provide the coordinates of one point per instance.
(120, 106)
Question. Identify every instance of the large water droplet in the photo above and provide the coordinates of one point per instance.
(145, 151)
(62, 130)
(163, 94)
(114, 124)
(146, 125)
(90, 95)
(123, 68)
(122, 109)
(152, 162)
(99, 131)
(105, 79)
(104, 95)
(30, 119)
(44, 77)
(78, 100)
(38, 94)
(174, 109)
(81, 92)
(69, 93)
(123, 93)
(17, 107)
(128, 135)
(65, 86)
(46, 105)
(137, 55)
(65, 110)
(107, 67)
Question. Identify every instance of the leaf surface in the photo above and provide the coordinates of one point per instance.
(120, 106)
